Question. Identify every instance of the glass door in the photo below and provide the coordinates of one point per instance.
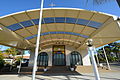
(59, 59)
(59, 55)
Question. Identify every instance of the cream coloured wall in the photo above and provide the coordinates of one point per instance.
(68, 50)
(85, 56)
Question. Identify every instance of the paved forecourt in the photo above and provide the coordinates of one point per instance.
(85, 76)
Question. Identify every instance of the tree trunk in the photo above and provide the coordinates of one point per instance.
(116, 55)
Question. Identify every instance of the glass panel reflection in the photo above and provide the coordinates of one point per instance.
(75, 59)
(42, 59)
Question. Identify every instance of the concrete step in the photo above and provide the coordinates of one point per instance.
(59, 68)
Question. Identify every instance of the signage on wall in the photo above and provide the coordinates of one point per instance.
(59, 49)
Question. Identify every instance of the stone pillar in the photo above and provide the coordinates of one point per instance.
(31, 60)
(67, 54)
(50, 59)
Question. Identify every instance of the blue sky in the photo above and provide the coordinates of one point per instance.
(12, 6)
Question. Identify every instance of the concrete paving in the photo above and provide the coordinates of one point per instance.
(115, 66)
(85, 76)
(104, 75)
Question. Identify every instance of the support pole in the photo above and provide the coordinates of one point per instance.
(98, 61)
(96, 56)
(37, 42)
(108, 66)
(20, 62)
(91, 50)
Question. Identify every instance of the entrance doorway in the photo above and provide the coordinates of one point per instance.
(59, 55)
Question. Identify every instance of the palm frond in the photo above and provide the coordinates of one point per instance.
(118, 1)
(100, 1)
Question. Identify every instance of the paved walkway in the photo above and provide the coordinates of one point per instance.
(105, 75)
(85, 76)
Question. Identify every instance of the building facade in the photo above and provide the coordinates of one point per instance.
(64, 32)
(64, 56)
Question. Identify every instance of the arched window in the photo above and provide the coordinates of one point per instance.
(42, 59)
(75, 58)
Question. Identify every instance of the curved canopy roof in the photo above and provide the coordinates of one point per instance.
(59, 26)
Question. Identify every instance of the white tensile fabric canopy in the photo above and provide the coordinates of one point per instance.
(67, 26)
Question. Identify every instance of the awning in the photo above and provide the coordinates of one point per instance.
(66, 26)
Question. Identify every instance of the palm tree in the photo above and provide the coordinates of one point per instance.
(11, 51)
(103, 1)
(118, 1)
(112, 47)
(100, 1)
(100, 55)
(115, 48)
(1, 55)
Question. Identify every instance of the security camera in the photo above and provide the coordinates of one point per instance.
(89, 42)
